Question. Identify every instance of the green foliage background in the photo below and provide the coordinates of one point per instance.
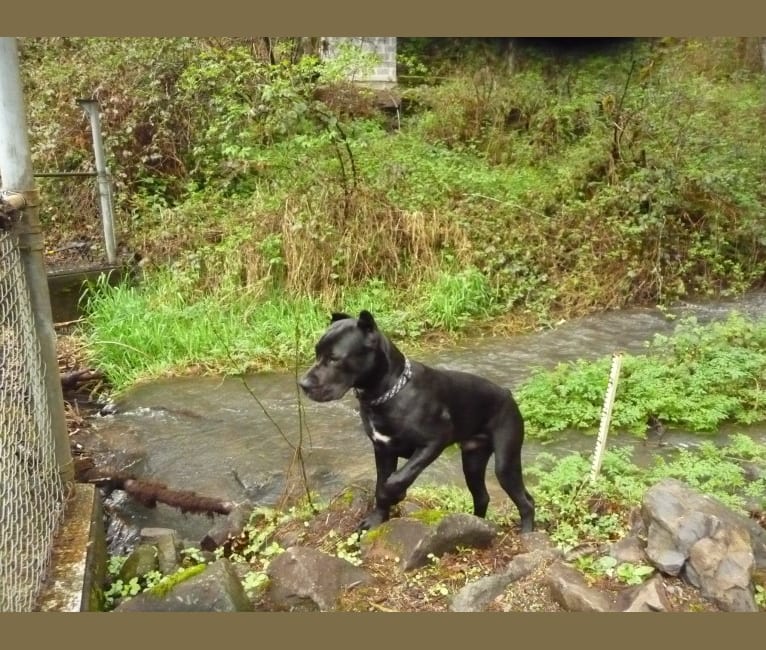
(511, 196)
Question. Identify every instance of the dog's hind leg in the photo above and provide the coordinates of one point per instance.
(475, 461)
(508, 472)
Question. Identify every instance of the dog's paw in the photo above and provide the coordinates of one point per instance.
(394, 491)
(372, 520)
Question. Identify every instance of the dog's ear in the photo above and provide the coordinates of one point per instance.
(338, 316)
(366, 322)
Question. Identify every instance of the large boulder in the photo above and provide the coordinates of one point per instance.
(412, 541)
(695, 536)
(477, 595)
(305, 579)
(215, 589)
(570, 590)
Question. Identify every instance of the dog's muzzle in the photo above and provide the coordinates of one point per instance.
(319, 392)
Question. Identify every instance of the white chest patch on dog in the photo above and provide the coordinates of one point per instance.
(379, 437)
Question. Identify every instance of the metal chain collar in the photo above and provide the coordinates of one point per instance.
(391, 392)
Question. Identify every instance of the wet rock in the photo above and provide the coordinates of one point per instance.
(649, 596)
(569, 589)
(305, 579)
(629, 549)
(397, 539)
(114, 448)
(227, 527)
(670, 506)
(121, 537)
(477, 595)
(412, 541)
(168, 547)
(216, 589)
(141, 561)
(712, 547)
(721, 566)
(537, 541)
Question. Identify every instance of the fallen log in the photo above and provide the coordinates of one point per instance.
(70, 380)
(149, 493)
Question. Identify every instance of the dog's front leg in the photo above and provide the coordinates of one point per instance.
(399, 481)
(385, 465)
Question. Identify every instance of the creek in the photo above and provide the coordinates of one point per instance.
(212, 436)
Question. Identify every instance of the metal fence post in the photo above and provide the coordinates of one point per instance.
(90, 106)
(16, 173)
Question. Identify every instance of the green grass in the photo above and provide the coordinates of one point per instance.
(140, 332)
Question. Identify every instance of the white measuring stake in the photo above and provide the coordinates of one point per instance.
(606, 416)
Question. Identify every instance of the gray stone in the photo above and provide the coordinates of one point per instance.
(410, 541)
(168, 547)
(712, 547)
(722, 567)
(141, 561)
(476, 595)
(452, 532)
(216, 589)
(649, 596)
(360, 496)
(537, 541)
(628, 549)
(305, 579)
(397, 539)
(669, 504)
(569, 589)
(227, 527)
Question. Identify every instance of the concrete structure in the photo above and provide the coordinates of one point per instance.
(384, 74)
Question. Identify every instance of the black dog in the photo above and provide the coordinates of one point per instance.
(412, 411)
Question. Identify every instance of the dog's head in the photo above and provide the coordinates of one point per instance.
(345, 355)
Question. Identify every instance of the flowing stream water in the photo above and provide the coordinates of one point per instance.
(210, 435)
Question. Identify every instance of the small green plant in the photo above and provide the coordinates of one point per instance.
(254, 583)
(633, 574)
(193, 555)
(114, 564)
(442, 499)
(607, 566)
(347, 548)
(119, 590)
(760, 596)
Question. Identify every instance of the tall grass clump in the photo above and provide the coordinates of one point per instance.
(136, 333)
(162, 326)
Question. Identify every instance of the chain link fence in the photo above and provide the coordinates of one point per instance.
(32, 495)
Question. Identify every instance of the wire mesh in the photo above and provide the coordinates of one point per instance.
(32, 496)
